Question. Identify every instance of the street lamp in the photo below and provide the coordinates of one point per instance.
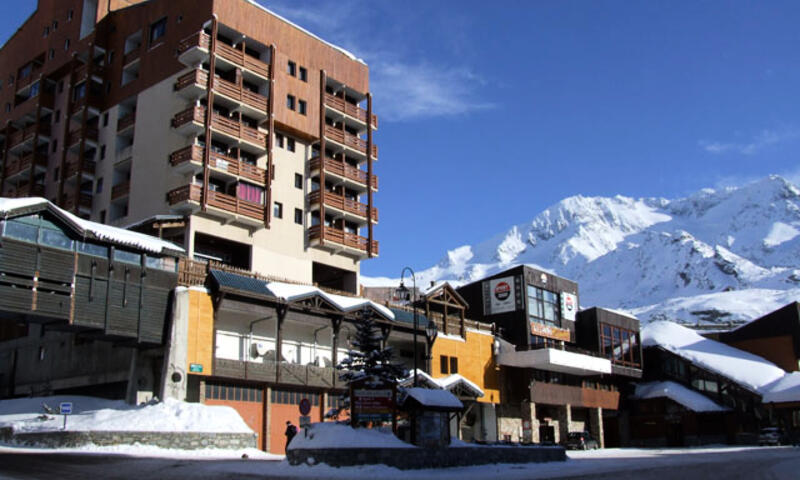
(402, 293)
(431, 332)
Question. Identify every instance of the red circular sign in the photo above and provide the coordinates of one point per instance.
(502, 290)
(305, 406)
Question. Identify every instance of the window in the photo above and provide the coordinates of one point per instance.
(279, 140)
(61, 86)
(105, 119)
(57, 117)
(453, 365)
(290, 102)
(290, 144)
(127, 257)
(46, 32)
(66, 44)
(102, 152)
(55, 25)
(620, 345)
(55, 174)
(291, 68)
(111, 57)
(102, 216)
(301, 107)
(70, 14)
(158, 30)
(298, 216)
(298, 181)
(52, 53)
(303, 74)
(55, 146)
(179, 19)
(543, 306)
(443, 364)
(8, 107)
(277, 210)
(99, 187)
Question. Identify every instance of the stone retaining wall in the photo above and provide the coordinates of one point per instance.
(417, 458)
(179, 440)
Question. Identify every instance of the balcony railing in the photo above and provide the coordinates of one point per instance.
(555, 394)
(349, 140)
(121, 190)
(74, 136)
(27, 134)
(233, 166)
(18, 165)
(33, 76)
(85, 200)
(82, 71)
(91, 99)
(26, 190)
(268, 371)
(348, 108)
(229, 89)
(222, 124)
(132, 55)
(342, 203)
(228, 203)
(71, 168)
(126, 122)
(237, 57)
(342, 169)
(342, 238)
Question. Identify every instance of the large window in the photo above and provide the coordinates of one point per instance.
(543, 306)
(158, 30)
(620, 345)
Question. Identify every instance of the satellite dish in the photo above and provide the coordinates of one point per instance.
(259, 349)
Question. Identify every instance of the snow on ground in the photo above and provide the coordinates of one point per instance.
(748, 370)
(335, 435)
(97, 414)
(150, 451)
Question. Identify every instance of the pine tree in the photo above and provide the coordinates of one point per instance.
(368, 362)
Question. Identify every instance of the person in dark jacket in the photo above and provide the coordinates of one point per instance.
(291, 431)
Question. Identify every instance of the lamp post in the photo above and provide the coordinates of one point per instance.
(431, 332)
(402, 292)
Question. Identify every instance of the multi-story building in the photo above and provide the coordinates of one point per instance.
(561, 370)
(215, 123)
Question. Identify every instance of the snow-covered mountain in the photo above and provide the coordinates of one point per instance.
(724, 254)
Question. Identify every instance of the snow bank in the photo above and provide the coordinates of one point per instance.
(690, 399)
(336, 435)
(748, 370)
(96, 414)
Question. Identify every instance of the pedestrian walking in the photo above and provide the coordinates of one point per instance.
(291, 431)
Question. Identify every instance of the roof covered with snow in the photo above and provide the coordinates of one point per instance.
(451, 383)
(786, 389)
(748, 370)
(10, 207)
(694, 401)
(434, 398)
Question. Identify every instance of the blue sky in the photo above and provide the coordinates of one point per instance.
(492, 111)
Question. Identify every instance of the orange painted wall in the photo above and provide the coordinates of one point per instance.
(200, 341)
(251, 412)
(474, 362)
(279, 414)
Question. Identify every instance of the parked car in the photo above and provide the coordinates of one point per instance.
(581, 441)
(771, 436)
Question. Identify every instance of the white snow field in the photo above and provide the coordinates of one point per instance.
(97, 414)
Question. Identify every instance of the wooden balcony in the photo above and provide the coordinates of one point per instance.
(28, 190)
(21, 165)
(82, 71)
(349, 140)
(349, 109)
(84, 199)
(126, 122)
(121, 190)
(222, 125)
(270, 371)
(555, 394)
(253, 213)
(74, 137)
(202, 41)
(21, 137)
(342, 169)
(131, 55)
(94, 101)
(232, 166)
(32, 77)
(71, 167)
(340, 237)
(231, 90)
(342, 203)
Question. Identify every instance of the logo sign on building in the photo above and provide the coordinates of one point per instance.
(196, 367)
(569, 306)
(499, 296)
(305, 406)
(547, 331)
(373, 405)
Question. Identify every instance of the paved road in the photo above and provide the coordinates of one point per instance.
(754, 464)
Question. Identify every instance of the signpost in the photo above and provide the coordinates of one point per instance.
(65, 408)
(305, 420)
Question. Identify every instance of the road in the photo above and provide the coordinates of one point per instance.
(727, 464)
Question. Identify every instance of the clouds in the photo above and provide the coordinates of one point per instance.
(407, 84)
(761, 141)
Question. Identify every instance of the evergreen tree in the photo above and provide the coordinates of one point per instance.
(367, 361)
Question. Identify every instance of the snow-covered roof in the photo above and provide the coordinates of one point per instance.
(676, 392)
(450, 382)
(342, 50)
(434, 398)
(99, 231)
(746, 369)
(786, 389)
(292, 292)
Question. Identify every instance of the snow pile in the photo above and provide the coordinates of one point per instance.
(787, 389)
(690, 399)
(746, 369)
(336, 435)
(96, 414)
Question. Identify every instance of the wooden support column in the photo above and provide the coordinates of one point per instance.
(36, 131)
(5, 158)
(323, 79)
(369, 176)
(67, 122)
(212, 62)
(270, 138)
(84, 121)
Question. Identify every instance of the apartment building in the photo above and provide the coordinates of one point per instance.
(213, 123)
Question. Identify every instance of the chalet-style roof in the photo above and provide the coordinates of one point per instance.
(448, 289)
(17, 207)
(455, 383)
(689, 399)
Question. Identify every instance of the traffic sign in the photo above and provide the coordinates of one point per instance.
(305, 406)
(305, 421)
(65, 408)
